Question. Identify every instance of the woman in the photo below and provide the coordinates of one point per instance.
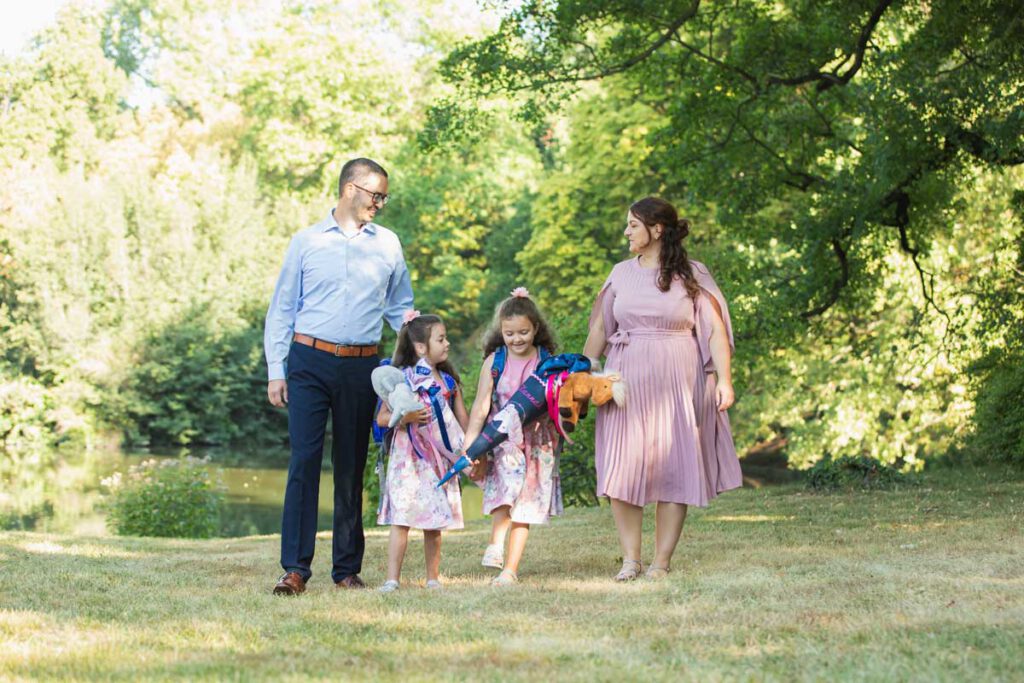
(664, 325)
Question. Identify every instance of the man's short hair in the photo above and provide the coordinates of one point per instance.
(358, 168)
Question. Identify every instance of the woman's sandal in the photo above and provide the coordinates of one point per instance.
(630, 570)
(656, 573)
(507, 577)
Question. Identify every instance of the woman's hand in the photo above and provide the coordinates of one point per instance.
(724, 396)
(421, 416)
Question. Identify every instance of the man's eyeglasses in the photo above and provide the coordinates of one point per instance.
(377, 197)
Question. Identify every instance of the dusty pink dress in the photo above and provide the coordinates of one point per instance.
(669, 442)
(524, 474)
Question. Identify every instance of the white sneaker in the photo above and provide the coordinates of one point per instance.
(433, 585)
(389, 586)
(494, 556)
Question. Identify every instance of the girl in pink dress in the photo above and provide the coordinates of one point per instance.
(520, 480)
(424, 444)
(664, 325)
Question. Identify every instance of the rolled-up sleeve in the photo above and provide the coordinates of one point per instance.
(399, 295)
(280, 322)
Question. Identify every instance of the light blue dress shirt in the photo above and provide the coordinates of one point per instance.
(336, 288)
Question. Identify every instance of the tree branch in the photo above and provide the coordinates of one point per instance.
(901, 201)
(827, 79)
(837, 285)
(977, 146)
(806, 179)
(604, 72)
(719, 63)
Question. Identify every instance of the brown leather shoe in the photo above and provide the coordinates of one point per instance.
(290, 584)
(352, 581)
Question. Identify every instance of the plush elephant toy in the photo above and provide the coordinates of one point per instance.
(390, 385)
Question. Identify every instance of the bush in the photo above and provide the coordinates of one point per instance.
(181, 498)
(850, 472)
(998, 434)
(199, 380)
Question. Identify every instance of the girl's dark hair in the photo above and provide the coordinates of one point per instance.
(417, 331)
(513, 306)
(674, 262)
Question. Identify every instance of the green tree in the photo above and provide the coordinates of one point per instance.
(860, 117)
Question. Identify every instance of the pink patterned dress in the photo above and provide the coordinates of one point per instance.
(668, 442)
(416, 462)
(523, 475)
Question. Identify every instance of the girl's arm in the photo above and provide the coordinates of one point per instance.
(383, 414)
(460, 409)
(721, 356)
(482, 403)
(416, 417)
(596, 341)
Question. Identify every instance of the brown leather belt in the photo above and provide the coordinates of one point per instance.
(343, 350)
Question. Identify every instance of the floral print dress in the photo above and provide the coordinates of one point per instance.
(418, 458)
(523, 471)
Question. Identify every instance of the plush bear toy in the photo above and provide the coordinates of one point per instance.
(583, 387)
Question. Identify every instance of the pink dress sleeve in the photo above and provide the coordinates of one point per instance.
(603, 304)
(705, 311)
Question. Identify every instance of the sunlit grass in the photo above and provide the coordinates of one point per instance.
(923, 583)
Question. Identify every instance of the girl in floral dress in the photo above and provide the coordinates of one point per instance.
(424, 444)
(520, 481)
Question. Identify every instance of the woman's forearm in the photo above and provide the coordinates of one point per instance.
(721, 354)
(596, 341)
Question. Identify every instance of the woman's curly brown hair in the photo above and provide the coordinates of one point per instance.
(674, 262)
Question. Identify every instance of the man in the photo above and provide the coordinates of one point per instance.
(340, 278)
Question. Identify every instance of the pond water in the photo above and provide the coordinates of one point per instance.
(66, 496)
(62, 493)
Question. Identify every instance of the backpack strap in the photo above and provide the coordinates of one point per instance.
(379, 433)
(451, 385)
(497, 367)
(434, 400)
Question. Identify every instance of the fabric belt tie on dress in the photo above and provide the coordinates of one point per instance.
(622, 337)
(343, 350)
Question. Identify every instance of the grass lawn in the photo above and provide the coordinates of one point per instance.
(923, 583)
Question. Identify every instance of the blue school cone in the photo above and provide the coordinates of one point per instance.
(462, 463)
(529, 401)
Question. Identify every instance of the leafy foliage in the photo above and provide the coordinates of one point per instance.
(998, 429)
(999, 410)
(198, 380)
(180, 498)
(849, 472)
(858, 117)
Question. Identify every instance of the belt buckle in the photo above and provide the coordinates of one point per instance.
(337, 350)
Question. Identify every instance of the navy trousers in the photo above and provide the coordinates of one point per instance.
(320, 383)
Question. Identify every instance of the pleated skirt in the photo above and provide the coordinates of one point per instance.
(666, 444)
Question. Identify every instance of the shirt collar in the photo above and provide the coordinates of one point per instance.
(420, 376)
(331, 224)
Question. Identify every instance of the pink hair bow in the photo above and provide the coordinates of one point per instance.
(521, 293)
(409, 316)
